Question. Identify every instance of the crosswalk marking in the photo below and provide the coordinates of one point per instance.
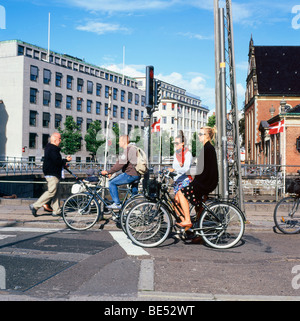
(127, 245)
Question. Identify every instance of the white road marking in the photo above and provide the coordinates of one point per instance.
(127, 245)
(28, 229)
(3, 236)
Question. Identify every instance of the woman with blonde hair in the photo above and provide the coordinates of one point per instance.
(206, 178)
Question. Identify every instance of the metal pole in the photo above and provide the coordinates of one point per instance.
(107, 127)
(223, 106)
(217, 91)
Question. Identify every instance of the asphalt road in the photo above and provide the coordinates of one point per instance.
(102, 265)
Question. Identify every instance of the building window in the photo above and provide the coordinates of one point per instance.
(58, 119)
(20, 50)
(136, 115)
(79, 104)
(69, 102)
(106, 109)
(98, 108)
(89, 87)
(122, 112)
(32, 118)
(79, 85)
(58, 79)
(34, 73)
(46, 120)
(33, 95)
(143, 103)
(98, 89)
(115, 94)
(115, 111)
(47, 76)
(106, 91)
(129, 113)
(122, 95)
(79, 122)
(88, 122)
(45, 140)
(32, 140)
(142, 115)
(69, 82)
(46, 98)
(58, 100)
(137, 99)
(129, 97)
(89, 106)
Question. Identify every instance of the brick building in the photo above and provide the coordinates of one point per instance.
(273, 81)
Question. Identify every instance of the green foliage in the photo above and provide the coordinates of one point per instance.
(70, 137)
(92, 144)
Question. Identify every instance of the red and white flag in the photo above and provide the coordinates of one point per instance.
(156, 127)
(276, 128)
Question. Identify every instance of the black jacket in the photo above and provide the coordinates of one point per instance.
(53, 162)
(207, 176)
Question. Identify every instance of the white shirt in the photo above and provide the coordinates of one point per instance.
(188, 159)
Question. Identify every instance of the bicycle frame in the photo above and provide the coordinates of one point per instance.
(96, 193)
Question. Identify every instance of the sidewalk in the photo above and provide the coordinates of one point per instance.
(16, 213)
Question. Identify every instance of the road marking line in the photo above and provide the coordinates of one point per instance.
(127, 245)
(28, 229)
(3, 236)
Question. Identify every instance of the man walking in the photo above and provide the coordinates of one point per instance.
(127, 163)
(52, 168)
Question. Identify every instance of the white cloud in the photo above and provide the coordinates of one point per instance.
(191, 35)
(101, 28)
(121, 5)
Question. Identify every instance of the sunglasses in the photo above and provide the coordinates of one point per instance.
(201, 134)
(177, 143)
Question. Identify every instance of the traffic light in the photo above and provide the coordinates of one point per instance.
(157, 97)
(149, 87)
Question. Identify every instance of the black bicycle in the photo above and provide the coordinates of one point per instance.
(84, 209)
(220, 223)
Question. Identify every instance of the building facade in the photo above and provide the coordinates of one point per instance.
(273, 75)
(39, 90)
(178, 110)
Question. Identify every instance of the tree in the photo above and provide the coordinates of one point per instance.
(211, 121)
(92, 144)
(70, 137)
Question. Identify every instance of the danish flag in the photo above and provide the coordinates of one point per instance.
(156, 127)
(276, 128)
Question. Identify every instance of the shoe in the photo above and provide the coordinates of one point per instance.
(47, 208)
(56, 215)
(33, 210)
(114, 206)
(197, 240)
(185, 225)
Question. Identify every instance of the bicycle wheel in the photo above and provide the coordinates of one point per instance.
(148, 224)
(287, 215)
(127, 208)
(222, 225)
(80, 211)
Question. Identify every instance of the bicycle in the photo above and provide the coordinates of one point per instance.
(84, 209)
(287, 211)
(220, 223)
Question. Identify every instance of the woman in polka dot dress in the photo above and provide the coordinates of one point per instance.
(206, 178)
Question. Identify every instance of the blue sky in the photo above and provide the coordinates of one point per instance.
(175, 36)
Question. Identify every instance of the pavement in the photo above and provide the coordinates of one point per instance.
(16, 213)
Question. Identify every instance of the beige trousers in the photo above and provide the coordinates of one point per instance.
(53, 194)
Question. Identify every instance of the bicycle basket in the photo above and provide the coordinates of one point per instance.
(152, 189)
(294, 187)
(77, 188)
